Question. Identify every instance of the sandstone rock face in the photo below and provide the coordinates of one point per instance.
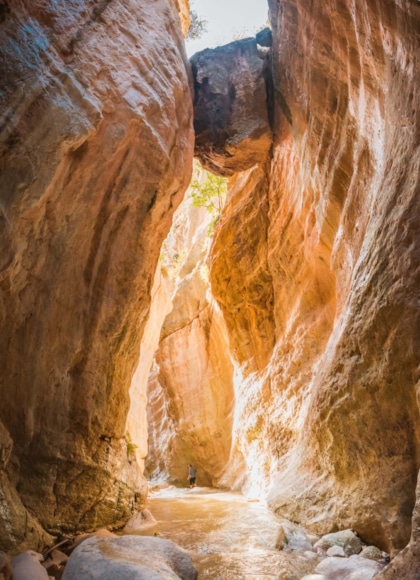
(138, 558)
(328, 409)
(406, 565)
(137, 426)
(95, 154)
(191, 389)
(230, 107)
(240, 278)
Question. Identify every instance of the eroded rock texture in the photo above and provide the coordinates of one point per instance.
(232, 129)
(191, 386)
(328, 401)
(96, 150)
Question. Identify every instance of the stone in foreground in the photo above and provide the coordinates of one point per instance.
(232, 130)
(27, 566)
(293, 537)
(353, 568)
(129, 557)
(346, 539)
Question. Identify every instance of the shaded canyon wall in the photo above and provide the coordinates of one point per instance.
(95, 155)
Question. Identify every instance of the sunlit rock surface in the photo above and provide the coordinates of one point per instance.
(328, 403)
(96, 150)
(190, 389)
(137, 423)
(232, 130)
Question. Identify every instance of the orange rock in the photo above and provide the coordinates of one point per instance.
(96, 155)
(329, 416)
(191, 395)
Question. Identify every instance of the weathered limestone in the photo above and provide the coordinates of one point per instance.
(96, 149)
(232, 131)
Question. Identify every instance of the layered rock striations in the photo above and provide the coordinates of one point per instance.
(191, 394)
(330, 365)
(96, 151)
(346, 167)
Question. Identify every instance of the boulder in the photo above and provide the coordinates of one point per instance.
(55, 563)
(232, 130)
(27, 566)
(336, 551)
(373, 553)
(101, 533)
(353, 568)
(139, 522)
(293, 537)
(346, 539)
(131, 557)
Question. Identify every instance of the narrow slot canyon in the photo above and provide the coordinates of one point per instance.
(210, 268)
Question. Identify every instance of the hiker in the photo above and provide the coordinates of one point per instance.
(192, 472)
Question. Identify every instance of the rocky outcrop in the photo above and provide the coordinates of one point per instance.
(232, 130)
(191, 388)
(96, 151)
(329, 418)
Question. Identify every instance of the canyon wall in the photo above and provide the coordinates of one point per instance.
(190, 392)
(95, 155)
(322, 305)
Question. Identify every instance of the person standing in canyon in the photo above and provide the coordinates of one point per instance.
(192, 473)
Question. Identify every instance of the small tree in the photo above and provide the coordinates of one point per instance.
(210, 194)
(198, 26)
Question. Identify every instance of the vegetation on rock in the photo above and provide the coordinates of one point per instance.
(198, 26)
(210, 194)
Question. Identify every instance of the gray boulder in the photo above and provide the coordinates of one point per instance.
(336, 551)
(353, 568)
(129, 558)
(372, 553)
(292, 537)
(28, 566)
(346, 539)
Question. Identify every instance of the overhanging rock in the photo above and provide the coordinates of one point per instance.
(230, 105)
